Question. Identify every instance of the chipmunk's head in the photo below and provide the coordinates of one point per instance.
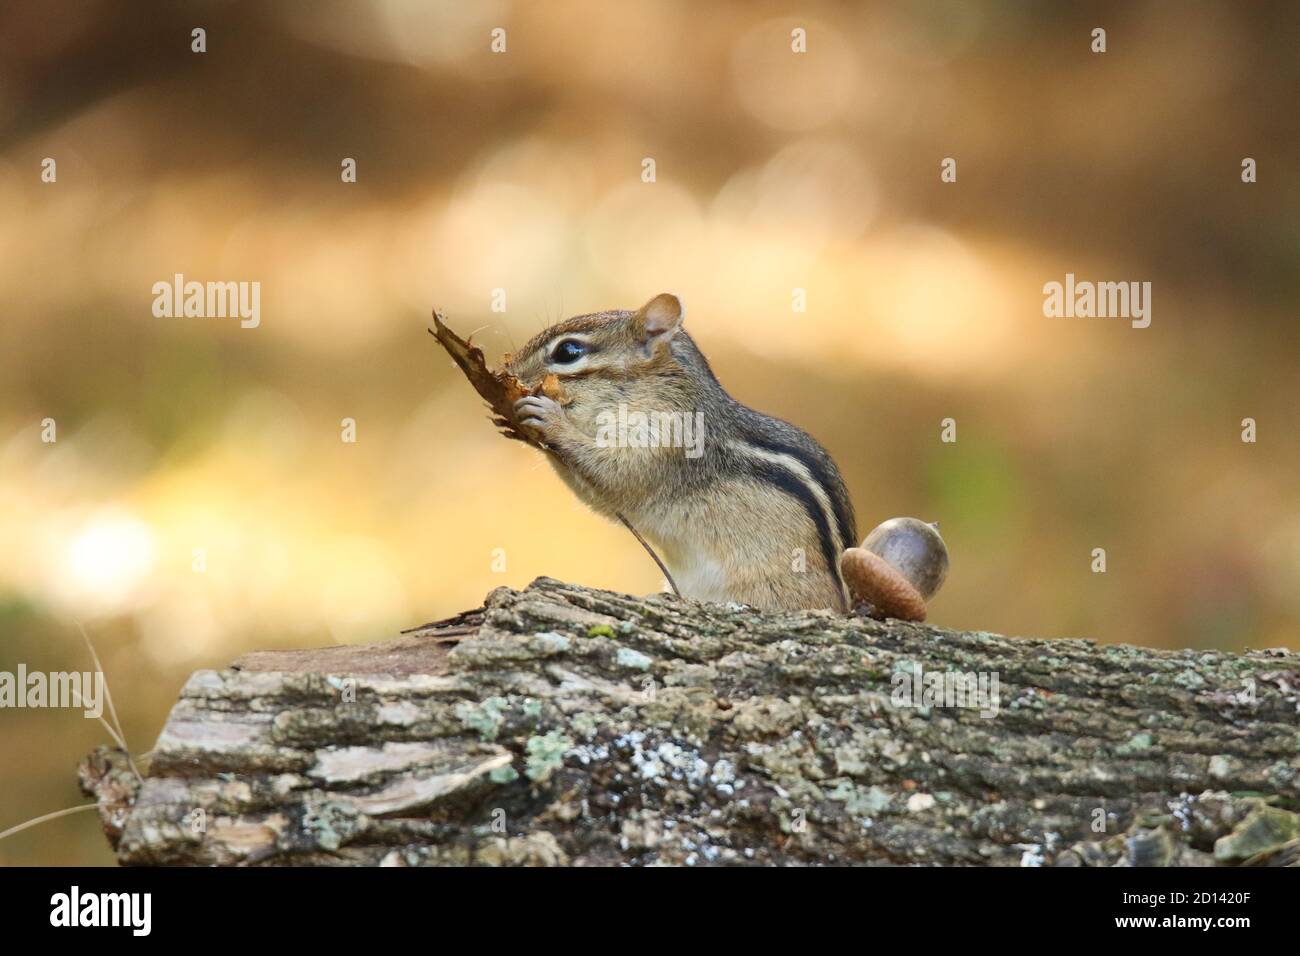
(603, 346)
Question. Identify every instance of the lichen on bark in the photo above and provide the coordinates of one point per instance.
(565, 725)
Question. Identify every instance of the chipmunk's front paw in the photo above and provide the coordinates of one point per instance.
(539, 416)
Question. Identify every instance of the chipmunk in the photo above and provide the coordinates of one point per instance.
(756, 513)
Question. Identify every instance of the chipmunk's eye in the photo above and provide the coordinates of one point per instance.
(570, 350)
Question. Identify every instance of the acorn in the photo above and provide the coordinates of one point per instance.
(899, 567)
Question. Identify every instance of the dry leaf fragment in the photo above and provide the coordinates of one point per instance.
(553, 390)
(499, 388)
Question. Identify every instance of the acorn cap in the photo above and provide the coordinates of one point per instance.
(870, 578)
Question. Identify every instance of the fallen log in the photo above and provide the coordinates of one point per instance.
(562, 725)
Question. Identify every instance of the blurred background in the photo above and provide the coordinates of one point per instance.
(522, 171)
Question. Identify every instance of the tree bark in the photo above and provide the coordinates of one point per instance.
(564, 725)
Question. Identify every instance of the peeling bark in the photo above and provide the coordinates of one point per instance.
(564, 725)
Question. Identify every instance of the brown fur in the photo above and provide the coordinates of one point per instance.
(725, 531)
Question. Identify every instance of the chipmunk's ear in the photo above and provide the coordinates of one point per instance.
(658, 320)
